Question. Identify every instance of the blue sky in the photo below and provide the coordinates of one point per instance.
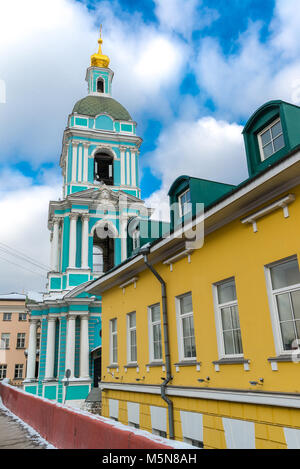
(190, 73)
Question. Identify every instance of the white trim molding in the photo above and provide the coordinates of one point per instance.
(281, 203)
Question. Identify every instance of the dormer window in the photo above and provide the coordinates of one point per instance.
(100, 85)
(271, 139)
(185, 205)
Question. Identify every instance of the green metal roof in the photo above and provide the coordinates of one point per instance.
(94, 105)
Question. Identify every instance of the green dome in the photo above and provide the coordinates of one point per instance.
(94, 105)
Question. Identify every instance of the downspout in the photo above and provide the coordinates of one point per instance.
(169, 377)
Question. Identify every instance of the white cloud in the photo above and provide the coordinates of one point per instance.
(259, 71)
(207, 148)
(24, 214)
(184, 17)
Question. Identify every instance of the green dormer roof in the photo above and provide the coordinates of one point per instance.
(94, 105)
(289, 116)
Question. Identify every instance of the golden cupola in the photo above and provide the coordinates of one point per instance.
(100, 60)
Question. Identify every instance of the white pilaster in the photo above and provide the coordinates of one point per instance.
(50, 351)
(128, 165)
(85, 242)
(74, 160)
(80, 163)
(122, 149)
(133, 168)
(31, 358)
(70, 345)
(85, 161)
(84, 347)
(73, 239)
(55, 246)
(123, 234)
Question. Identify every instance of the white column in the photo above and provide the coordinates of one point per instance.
(54, 245)
(70, 345)
(133, 168)
(84, 347)
(85, 242)
(80, 163)
(31, 358)
(50, 351)
(122, 149)
(73, 240)
(85, 161)
(74, 160)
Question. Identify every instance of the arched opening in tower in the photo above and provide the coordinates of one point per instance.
(103, 169)
(100, 85)
(103, 249)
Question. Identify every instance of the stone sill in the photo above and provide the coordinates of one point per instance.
(231, 361)
(188, 363)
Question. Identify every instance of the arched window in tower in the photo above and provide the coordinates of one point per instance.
(103, 169)
(136, 240)
(100, 85)
(103, 249)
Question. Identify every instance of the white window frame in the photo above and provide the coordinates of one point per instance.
(3, 370)
(261, 148)
(21, 337)
(151, 335)
(19, 369)
(218, 318)
(7, 315)
(111, 335)
(129, 344)
(4, 343)
(273, 303)
(179, 318)
(22, 316)
(181, 214)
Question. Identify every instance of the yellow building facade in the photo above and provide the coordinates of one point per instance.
(230, 312)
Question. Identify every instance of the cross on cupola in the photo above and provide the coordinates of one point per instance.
(99, 76)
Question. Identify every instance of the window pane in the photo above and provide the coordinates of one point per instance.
(295, 296)
(114, 325)
(157, 350)
(284, 307)
(155, 313)
(288, 334)
(156, 333)
(226, 318)
(238, 341)
(235, 317)
(132, 321)
(226, 292)
(276, 129)
(266, 137)
(186, 305)
(285, 274)
(186, 327)
(189, 347)
(228, 343)
(268, 150)
(278, 143)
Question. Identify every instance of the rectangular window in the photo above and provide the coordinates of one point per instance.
(284, 280)
(185, 317)
(185, 205)
(21, 340)
(6, 316)
(113, 341)
(155, 339)
(159, 432)
(271, 139)
(5, 341)
(22, 316)
(196, 443)
(18, 371)
(3, 371)
(228, 319)
(38, 340)
(131, 337)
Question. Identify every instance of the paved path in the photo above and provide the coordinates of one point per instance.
(14, 436)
